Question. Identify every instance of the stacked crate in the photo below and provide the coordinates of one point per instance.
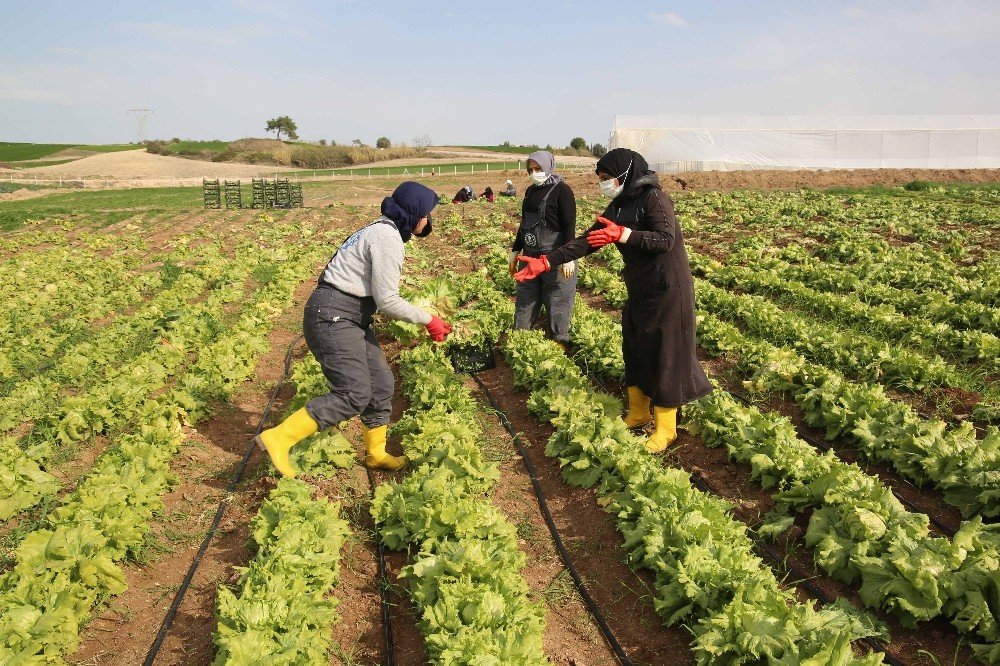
(282, 196)
(234, 194)
(295, 195)
(211, 193)
(257, 194)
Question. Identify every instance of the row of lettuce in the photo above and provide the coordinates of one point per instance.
(63, 571)
(953, 458)
(859, 530)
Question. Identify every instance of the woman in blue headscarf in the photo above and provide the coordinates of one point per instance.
(548, 221)
(361, 278)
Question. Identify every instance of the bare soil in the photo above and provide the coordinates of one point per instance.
(137, 164)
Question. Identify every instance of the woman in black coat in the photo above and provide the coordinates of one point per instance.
(658, 325)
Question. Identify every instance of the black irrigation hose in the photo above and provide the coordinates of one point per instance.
(223, 503)
(823, 446)
(700, 482)
(383, 588)
(543, 505)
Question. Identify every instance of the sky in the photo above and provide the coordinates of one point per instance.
(472, 73)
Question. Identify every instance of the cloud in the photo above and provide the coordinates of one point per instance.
(856, 13)
(670, 19)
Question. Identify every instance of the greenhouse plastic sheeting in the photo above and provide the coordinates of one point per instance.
(728, 143)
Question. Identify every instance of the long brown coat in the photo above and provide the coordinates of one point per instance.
(658, 324)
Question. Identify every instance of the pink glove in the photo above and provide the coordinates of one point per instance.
(438, 329)
(611, 233)
(535, 267)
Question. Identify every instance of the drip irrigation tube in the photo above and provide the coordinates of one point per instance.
(823, 446)
(223, 503)
(553, 530)
(383, 589)
(700, 482)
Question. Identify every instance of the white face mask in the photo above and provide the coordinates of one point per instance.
(609, 188)
(538, 177)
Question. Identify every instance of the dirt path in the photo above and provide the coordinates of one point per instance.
(133, 164)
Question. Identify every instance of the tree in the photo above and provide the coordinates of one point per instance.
(578, 144)
(282, 124)
(598, 150)
(383, 142)
(422, 142)
(322, 142)
(358, 143)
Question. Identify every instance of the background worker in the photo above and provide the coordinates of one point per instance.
(464, 195)
(509, 190)
(658, 324)
(548, 220)
(361, 278)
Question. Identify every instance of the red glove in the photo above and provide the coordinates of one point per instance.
(438, 329)
(611, 233)
(535, 267)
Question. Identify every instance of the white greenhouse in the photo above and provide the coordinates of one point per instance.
(728, 143)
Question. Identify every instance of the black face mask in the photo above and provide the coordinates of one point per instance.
(427, 229)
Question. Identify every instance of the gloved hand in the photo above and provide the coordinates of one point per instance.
(438, 329)
(535, 267)
(567, 269)
(512, 263)
(611, 233)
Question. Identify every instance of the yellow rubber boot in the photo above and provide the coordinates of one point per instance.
(638, 408)
(279, 440)
(665, 432)
(377, 457)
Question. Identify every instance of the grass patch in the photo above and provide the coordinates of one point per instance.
(105, 206)
(20, 152)
(195, 147)
(40, 163)
(6, 187)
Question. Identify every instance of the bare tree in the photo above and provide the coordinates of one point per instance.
(422, 142)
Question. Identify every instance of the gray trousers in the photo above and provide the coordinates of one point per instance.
(337, 328)
(553, 291)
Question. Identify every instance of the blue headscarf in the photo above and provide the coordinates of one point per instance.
(410, 202)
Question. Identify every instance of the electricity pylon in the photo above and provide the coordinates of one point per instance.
(140, 118)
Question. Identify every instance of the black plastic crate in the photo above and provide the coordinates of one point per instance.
(473, 358)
